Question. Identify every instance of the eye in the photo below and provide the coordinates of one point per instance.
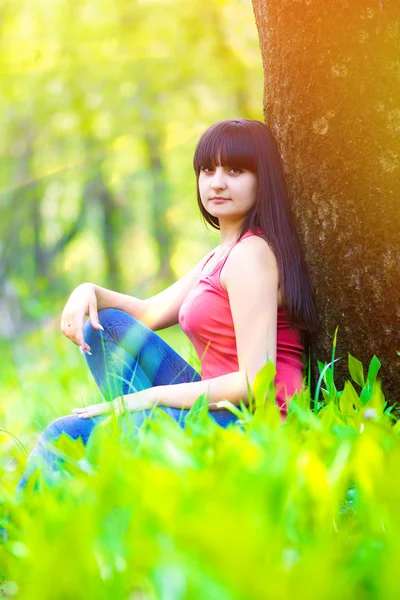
(236, 171)
(206, 169)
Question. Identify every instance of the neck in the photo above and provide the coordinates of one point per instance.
(229, 233)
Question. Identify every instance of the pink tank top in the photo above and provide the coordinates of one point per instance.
(206, 319)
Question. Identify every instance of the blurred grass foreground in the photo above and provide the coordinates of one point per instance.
(258, 510)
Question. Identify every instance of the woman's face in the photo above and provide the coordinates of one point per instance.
(227, 193)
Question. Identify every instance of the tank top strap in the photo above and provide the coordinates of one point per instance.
(223, 261)
(207, 258)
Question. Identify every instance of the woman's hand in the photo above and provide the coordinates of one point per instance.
(141, 400)
(118, 405)
(81, 303)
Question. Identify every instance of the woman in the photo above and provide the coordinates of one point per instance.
(248, 301)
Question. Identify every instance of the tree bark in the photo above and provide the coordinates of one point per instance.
(332, 100)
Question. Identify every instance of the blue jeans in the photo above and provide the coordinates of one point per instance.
(126, 357)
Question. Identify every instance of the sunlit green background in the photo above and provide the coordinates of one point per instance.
(102, 105)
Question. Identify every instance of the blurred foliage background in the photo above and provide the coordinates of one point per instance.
(102, 105)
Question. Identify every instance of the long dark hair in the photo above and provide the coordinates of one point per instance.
(249, 144)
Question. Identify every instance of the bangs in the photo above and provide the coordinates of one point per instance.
(228, 144)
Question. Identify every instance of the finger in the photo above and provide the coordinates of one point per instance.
(80, 340)
(88, 414)
(85, 351)
(85, 414)
(94, 317)
(65, 320)
(93, 410)
(68, 328)
(72, 328)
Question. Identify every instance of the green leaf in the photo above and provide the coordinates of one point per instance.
(330, 384)
(365, 395)
(263, 386)
(377, 398)
(373, 369)
(199, 411)
(303, 413)
(321, 377)
(321, 366)
(229, 406)
(330, 415)
(356, 370)
(249, 394)
(349, 401)
(69, 447)
(334, 350)
(325, 394)
(328, 378)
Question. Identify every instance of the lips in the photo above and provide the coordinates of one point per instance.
(218, 199)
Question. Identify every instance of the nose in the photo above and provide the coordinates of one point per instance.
(218, 179)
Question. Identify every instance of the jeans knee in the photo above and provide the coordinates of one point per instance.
(87, 330)
(104, 318)
(107, 315)
(73, 425)
(59, 426)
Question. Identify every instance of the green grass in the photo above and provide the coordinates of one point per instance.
(308, 509)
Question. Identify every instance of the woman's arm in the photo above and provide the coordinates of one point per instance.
(110, 299)
(232, 387)
(159, 311)
(251, 278)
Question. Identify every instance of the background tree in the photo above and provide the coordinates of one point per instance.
(332, 99)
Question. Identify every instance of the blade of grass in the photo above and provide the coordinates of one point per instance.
(320, 382)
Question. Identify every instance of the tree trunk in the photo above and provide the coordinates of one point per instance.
(160, 203)
(97, 192)
(332, 100)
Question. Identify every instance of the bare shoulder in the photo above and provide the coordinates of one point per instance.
(252, 251)
(249, 258)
